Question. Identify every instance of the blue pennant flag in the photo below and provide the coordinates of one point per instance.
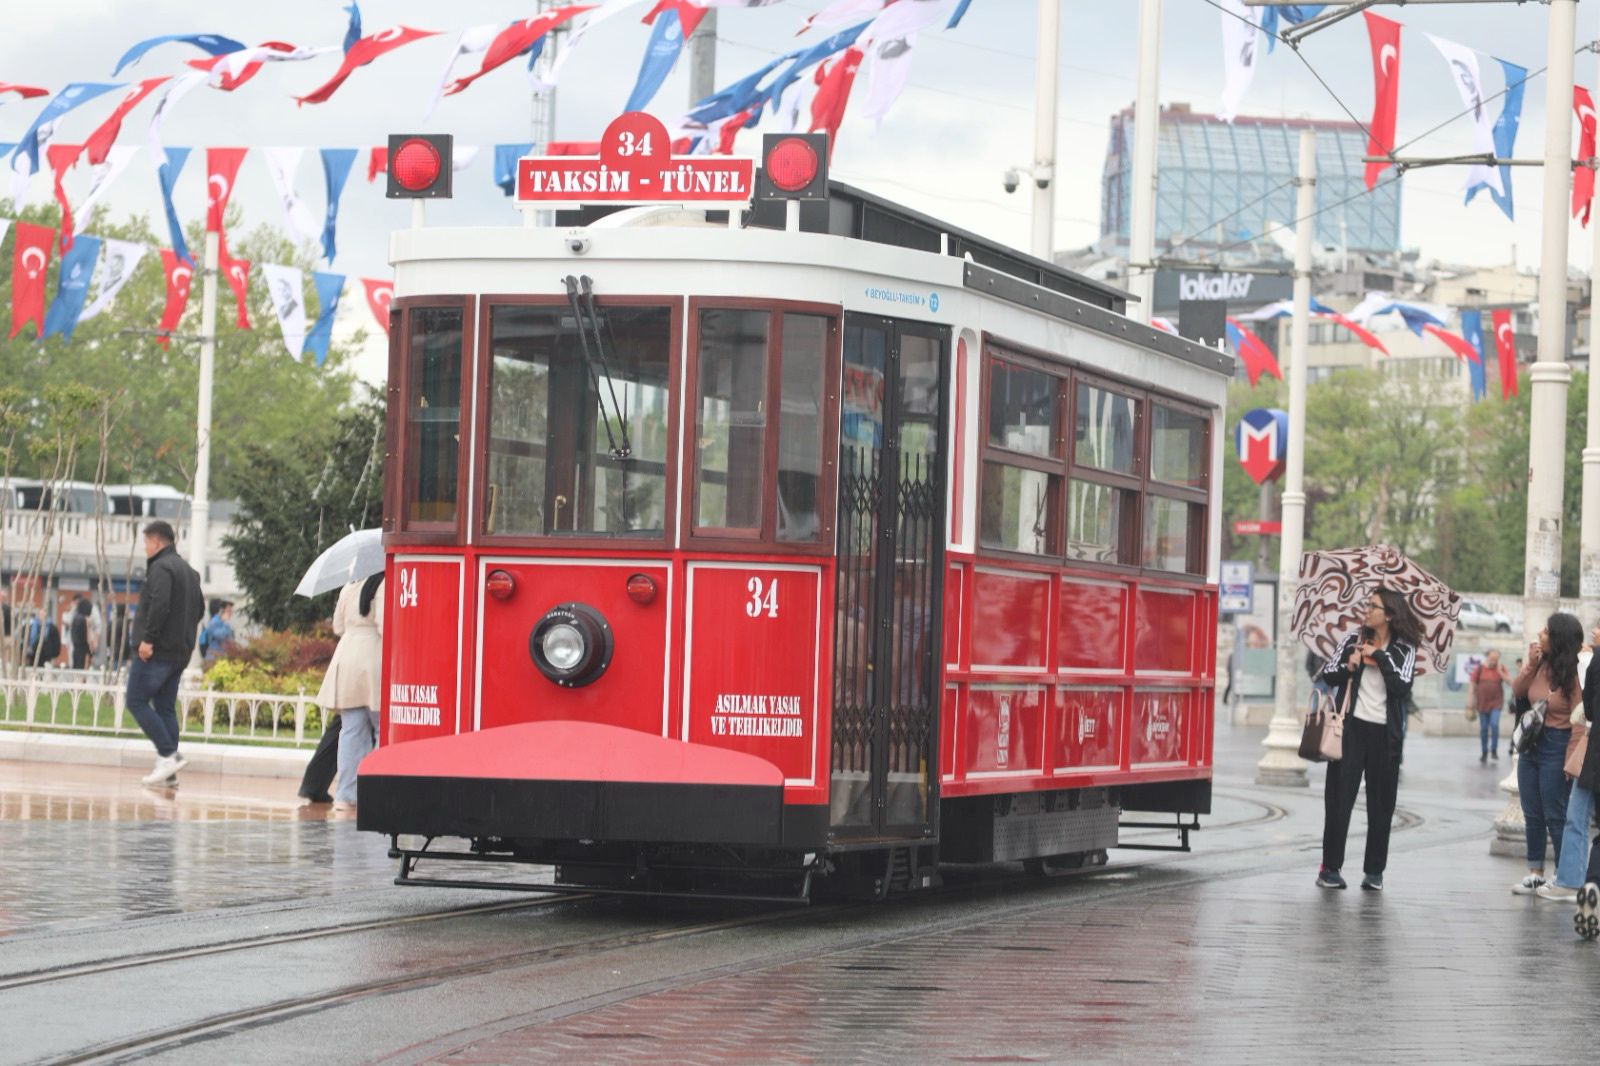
(1415, 317)
(72, 286)
(746, 93)
(68, 98)
(1472, 332)
(335, 168)
(1505, 134)
(666, 41)
(166, 176)
(1294, 14)
(809, 57)
(328, 287)
(210, 43)
(353, 33)
(955, 19)
(505, 165)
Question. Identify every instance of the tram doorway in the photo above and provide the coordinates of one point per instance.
(892, 447)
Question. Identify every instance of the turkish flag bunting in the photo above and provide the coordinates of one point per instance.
(689, 15)
(178, 274)
(1385, 37)
(380, 294)
(1456, 344)
(222, 166)
(1582, 173)
(101, 140)
(360, 54)
(1362, 334)
(516, 39)
(237, 274)
(1253, 352)
(377, 163)
(30, 261)
(24, 91)
(1505, 347)
(62, 157)
(833, 93)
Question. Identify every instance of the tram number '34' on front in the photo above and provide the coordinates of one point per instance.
(760, 601)
(408, 587)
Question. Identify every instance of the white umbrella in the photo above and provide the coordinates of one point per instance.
(353, 557)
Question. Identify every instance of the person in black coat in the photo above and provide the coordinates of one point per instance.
(1587, 920)
(166, 625)
(81, 610)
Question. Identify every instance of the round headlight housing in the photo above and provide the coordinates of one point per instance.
(571, 645)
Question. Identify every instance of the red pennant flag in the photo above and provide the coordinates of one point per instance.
(1583, 174)
(232, 75)
(729, 129)
(222, 166)
(1362, 334)
(27, 92)
(1255, 354)
(100, 141)
(61, 158)
(689, 15)
(237, 274)
(380, 294)
(377, 163)
(833, 93)
(1457, 344)
(30, 261)
(515, 40)
(1505, 346)
(364, 51)
(178, 274)
(1385, 38)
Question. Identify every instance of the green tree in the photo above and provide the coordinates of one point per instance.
(304, 496)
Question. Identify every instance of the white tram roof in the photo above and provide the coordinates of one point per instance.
(855, 250)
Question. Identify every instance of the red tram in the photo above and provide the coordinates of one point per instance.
(814, 549)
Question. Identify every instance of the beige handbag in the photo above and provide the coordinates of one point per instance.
(1322, 739)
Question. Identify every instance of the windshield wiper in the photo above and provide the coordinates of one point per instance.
(583, 309)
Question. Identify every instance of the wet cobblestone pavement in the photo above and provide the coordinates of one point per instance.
(1228, 954)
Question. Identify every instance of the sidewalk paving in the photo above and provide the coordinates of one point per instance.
(231, 760)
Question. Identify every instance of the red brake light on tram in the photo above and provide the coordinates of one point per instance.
(794, 166)
(500, 584)
(419, 166)
(641, 589)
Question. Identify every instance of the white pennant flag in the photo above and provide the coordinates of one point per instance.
(1464, 72)
(21, 176)
(282, 163)
(605, 11)
(842, 11)
(473, 39)
(116, 267)
(792, 112)
(891, 40)
(286, 287)
(5, 226)
(233, 64)
(908, 16)
(101, 176)
(462, 155)
(179, 88)
(1241, 50)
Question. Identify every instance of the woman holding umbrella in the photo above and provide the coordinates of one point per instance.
(353, 685)
(1371, 674)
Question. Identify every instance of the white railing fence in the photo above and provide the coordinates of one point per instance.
(66, 701)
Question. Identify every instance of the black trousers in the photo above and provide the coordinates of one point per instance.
(1594, 851)
(1367, 752)
(323, 765)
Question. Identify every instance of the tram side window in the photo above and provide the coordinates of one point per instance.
(1175, 503)
(1022, 469)
(730, 419)
(578, 427)
(803, 371)
(433, 414)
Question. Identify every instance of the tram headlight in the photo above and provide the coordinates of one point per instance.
(571, 645)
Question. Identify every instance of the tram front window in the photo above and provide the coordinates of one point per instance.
(434, 414)
(577, 440)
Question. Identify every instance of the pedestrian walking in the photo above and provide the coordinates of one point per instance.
(353, 685)
(166, 621)
(324, 762)
(81, 633)
(1587, 920)
(218, 630)
(1486, 695)
(1371, 674)
(1572, 867)
(1549, 676)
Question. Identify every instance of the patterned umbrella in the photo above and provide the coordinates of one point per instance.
(1332, 596)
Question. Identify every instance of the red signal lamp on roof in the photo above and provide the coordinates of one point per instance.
(419, 166)
(794, 166)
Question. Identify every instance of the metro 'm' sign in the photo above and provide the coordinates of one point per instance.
(635, 166)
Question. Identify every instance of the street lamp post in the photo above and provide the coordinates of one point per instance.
(1044, 127)
(1146, 122)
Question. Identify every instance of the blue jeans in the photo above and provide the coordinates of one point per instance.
(1544, 787)
(1574, 859)
(153, 701)
(1489, 730)
(357, 727)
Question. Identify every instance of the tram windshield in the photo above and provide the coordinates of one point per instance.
(577, 432)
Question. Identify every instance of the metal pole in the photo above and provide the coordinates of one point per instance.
(1547, 435)
(1282, 765)
(1146, 122)
(1044, 127)
(1589, 534)
(703, 59)
(200, 513)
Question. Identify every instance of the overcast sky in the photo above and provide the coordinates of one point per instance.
(966, 116)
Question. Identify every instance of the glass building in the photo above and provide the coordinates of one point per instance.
(1221, 183)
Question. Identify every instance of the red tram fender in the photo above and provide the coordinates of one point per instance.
(570, 781)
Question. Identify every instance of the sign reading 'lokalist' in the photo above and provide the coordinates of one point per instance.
(635, 166)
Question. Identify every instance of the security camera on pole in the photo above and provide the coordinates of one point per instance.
(1282, 765)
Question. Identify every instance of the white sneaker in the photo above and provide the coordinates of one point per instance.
(166, 766)
(1528, 885)
(178, 761)
(1558, 893)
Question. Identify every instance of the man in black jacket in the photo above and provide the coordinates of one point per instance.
(170, 609)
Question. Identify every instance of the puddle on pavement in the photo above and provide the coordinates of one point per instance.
(57, 793)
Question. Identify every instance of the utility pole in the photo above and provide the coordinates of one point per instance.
(703, 59)
(200, 507)
(1146, 123)
(1282, 765)
(1589, 534)
(1547, 435)
(1044, 127)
